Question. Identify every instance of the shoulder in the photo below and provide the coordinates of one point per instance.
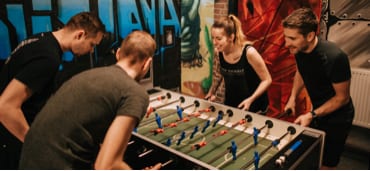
(47, 41)
(331, 49)
(251, 52)
(42, 45)
(27, 44)
(249, 48)
(126, 82)
(334, 56)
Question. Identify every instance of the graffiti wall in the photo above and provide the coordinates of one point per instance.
(20, 19)
(196, 46)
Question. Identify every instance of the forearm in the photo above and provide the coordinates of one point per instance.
(118, 165)
(112, 150)
(262, 88)
(121, 166)
(259, 66)
(297, 86)
(15, 122)
(341, 98)
(11, 114)
(216, 75)
(331, 105)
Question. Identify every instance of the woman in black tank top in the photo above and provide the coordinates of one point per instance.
(240, 66)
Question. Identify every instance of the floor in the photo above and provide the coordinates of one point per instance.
(356, 155)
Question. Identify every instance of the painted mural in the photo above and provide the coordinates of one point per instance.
(196, 46)
(20, 19)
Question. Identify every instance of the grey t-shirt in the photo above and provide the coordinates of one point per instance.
(70, 128)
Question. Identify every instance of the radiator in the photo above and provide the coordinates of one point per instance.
(360, 93)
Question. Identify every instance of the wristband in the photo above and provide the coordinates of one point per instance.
(314, 115)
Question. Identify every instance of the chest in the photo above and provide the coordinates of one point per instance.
(233, 57)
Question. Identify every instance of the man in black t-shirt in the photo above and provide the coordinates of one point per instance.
(27, 78)
(324, 70)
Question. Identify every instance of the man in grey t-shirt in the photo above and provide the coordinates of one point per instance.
(88, 122)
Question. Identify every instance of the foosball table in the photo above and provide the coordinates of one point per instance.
(185, 132)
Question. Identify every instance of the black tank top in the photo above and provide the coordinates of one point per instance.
(240, 82)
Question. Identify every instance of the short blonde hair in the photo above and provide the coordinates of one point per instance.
(138, 45)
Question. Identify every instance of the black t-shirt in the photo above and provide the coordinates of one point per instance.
(325, 65)
(241, 81)
(35, 63)
(68, 131)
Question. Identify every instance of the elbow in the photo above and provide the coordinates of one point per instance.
(102, 166)
(345, 100)
(98, 166)
(268, 81)
(114, 165)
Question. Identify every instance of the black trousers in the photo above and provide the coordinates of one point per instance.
(10, 150)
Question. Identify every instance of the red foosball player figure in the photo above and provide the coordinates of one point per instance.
(149, 111)
(242, 122)
(157, 131)
(199, 145)
(222, 132)
(205, 110)
(160, 98)
(171, 125)
(185, 119)
(194, 114)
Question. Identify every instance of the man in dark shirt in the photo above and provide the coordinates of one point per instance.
(27, 78)
(324, 70)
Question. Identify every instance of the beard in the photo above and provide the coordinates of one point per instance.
(295, 49)
(304, 48)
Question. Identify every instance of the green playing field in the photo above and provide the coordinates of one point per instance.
(216, 151)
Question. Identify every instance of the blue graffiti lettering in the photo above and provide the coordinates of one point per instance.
(154, 16)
